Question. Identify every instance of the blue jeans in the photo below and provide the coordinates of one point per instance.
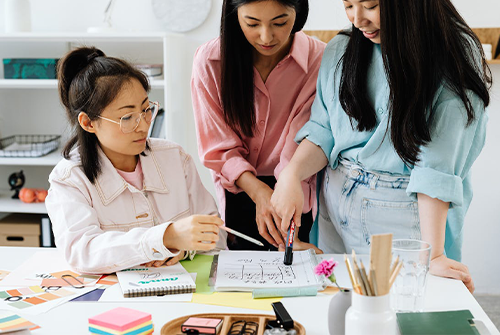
(355, 204)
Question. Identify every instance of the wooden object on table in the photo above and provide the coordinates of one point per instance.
(174, 327)
(381, 257)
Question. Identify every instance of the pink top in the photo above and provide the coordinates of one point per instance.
(134, 178)
(282, 107)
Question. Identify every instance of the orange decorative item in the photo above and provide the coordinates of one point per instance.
(29, 195)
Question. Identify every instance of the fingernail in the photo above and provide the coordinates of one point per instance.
(282, 246)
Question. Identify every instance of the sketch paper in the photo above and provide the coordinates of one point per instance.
(248, 270)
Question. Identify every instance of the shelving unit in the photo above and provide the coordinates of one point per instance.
(36, 101)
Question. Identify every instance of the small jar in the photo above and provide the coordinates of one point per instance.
(370, 315)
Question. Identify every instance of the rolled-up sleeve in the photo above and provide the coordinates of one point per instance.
(446, 161)
(219, 147)
(318, 129)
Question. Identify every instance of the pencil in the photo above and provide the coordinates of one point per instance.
(248, 238)
(374, 281)
(395, 274)
(349, 270)
(365, 279)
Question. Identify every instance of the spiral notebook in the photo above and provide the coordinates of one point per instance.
(146, 281)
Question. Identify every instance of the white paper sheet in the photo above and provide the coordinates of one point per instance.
(248, 270)
(40, 264)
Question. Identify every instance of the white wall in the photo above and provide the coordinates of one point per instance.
(481, 247)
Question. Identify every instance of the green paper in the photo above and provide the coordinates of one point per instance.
(436, 323)
(201, 265)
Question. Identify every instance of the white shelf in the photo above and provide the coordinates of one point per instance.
(52, 83)
(83, 36)
(9, 205)
(48, 160)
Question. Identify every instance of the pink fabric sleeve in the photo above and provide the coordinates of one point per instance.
(219, 147)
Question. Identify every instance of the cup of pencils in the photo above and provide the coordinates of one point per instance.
(408, 291)
(371, 312)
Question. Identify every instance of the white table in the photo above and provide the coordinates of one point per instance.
(72, 317)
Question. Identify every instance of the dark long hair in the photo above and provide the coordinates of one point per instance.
(88, 82)
(424, 43)
(237, 85)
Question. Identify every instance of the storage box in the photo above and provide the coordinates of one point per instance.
(30, 68)
(20, 230)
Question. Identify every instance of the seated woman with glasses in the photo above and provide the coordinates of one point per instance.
(119, 199)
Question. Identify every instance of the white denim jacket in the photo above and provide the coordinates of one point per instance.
(110, 225)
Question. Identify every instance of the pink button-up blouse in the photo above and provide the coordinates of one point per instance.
(282, 107)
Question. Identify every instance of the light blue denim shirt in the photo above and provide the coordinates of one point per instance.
(443, 171)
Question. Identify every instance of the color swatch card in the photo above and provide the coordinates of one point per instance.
(143, 281)
(249, 270)
(121, 321)
(10, 322)
(37, 299)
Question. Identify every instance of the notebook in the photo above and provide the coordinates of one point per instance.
(249, 270)
(143, 281)
(437, 323)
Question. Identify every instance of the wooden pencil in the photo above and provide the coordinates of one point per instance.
(349, 271)
(369, 289)
(373, 278)
(394, 275)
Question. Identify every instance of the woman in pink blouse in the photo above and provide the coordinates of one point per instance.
(252, 90)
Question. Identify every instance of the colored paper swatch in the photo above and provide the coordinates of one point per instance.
(235, 299)
(201, 265)
(26, 297)
(11, 322)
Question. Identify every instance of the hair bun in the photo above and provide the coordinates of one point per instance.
(71, 65)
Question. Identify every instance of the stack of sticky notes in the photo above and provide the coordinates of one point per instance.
(121, 321)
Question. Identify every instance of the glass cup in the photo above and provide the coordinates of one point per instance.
(408, 290)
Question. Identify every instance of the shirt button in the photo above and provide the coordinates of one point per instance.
(255, 149)
(381, 110)
(157, 254)
(262, 123)
(355, 173)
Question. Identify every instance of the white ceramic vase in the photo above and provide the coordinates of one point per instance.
(370, 315)
(339, 304)
(17, 16)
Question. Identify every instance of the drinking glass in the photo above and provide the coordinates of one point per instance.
(408, 290)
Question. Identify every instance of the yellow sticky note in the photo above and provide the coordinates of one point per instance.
(235, 299)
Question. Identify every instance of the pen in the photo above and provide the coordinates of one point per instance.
(248, 238)
(289, 244)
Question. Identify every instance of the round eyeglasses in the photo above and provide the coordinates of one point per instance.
(129, 122)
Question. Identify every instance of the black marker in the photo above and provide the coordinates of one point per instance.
(289, 245)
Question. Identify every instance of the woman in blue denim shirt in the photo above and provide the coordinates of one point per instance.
(399, 118)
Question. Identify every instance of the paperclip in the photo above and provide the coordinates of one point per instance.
(68, 275)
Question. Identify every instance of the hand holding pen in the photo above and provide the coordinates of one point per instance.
(288, 260)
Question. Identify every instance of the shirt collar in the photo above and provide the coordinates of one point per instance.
(110, 184)
(299, 50)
